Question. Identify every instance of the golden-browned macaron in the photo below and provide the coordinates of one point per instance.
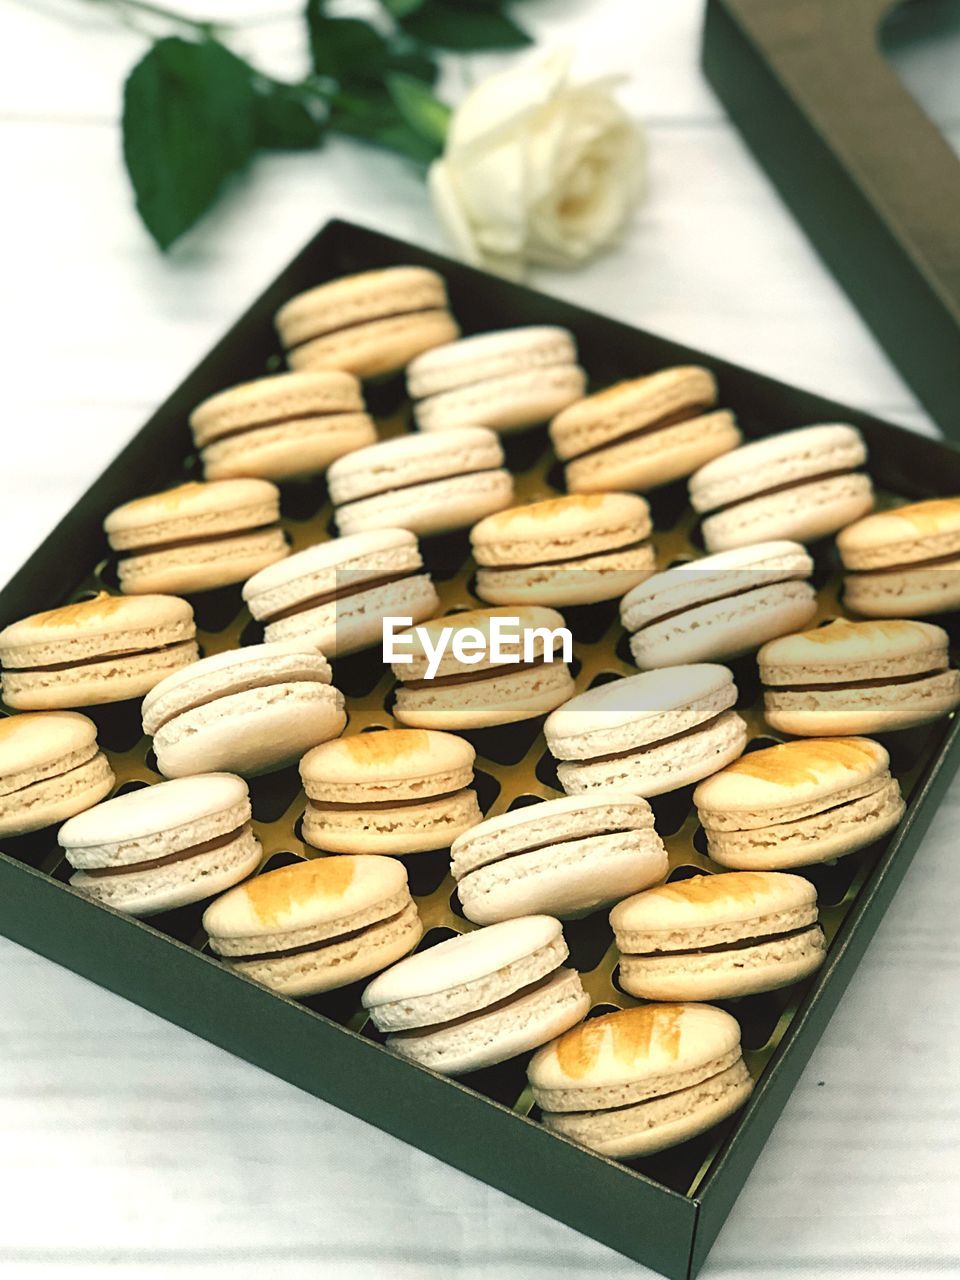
(903, 562)
(281, 427)
(197, 537)
(50, 768)
(643, 433)
(369, 324)
(858, 677)
(799, 803)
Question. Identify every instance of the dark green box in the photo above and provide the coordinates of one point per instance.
(619, 1205)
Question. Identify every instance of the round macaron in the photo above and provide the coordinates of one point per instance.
(643, 433)
(718, 937)
(638, 1081)
(281, 427)
(316, 925)
(799, 803)
(800, 484)
(428, 484)
(101, 650)
(336, 594)
(197, 537)
(563, 857)
(903, 562)
(648, 734)
(163, 846)
(573, 550)
(394, 791)
(517, 669)
(719, 607)
(858, 677)
(507, 380)
(479, 998)
(245, 711)
(50, 768)
(369, 324)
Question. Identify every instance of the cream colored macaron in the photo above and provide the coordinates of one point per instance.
(394, 791)
(371, 324)
(648, 734)
(562, 857)
(720, 607)
(800, 484)
(479, 998)
(507, 380)
(718, 937)
(799, 803)
(101, 650)
(336, 594)
(638, 1081)
(246, 711)
(197, 537)
(858, 677)
(50, 768)
(163, 846)
(428, 484)
(563, 551)
(316, 925)
(904, 562)
(643, 433)
(514, 677)
(282, 427)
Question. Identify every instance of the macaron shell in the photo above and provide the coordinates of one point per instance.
(352, 300)
(295, 396)
(379, 347)
(605, 576)
(114, 680)
(291, 449)
(56, 797)
(438, 506)
(806, 513)
(505, 699)
(483, 356)
(388, 764)
(203, 566)
(33, 747)
(710, 909)
(356, 622)
(845, 711)
(649, 462)
(489, 1037)
(419, 828)
(512, 402)
(917, 531)
(916, 592)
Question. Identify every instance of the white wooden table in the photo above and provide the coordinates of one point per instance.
(128, 1145)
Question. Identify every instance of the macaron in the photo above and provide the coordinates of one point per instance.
(163, 846)
(281, 427)
(196, 537)
(800, 484)
(370, 324)
(528, 678)
(562, 857)
(573, 550)
(718, 937)
(722, 606)
(428, 484)
(507, 380)
(648, 734)
(858, 677)
(643, 433)
(903, 562)
(395, 791)
(480, 998)
(337, 593)
(799, 803)
(101, 650)
(638, 1081)
(316, 925)
(50, 768)
(245, 711)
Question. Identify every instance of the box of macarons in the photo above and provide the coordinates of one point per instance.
(503, 723)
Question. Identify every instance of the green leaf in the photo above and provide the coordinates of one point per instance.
(286, 119)
(375, 119)
(423, 112)
(188, 124)
(401, 8)
(446, 25)
(350, 50)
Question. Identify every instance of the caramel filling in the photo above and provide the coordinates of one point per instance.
(737, 945)
(879, 683)
(687, 414)
(503, 1003)
(181, 855)
(104, 657)
(306, 947)
(375, 806)
(175, 543)
(782, 488)
(587, 555)
(339, 593)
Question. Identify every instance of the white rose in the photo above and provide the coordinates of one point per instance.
(537, 169)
